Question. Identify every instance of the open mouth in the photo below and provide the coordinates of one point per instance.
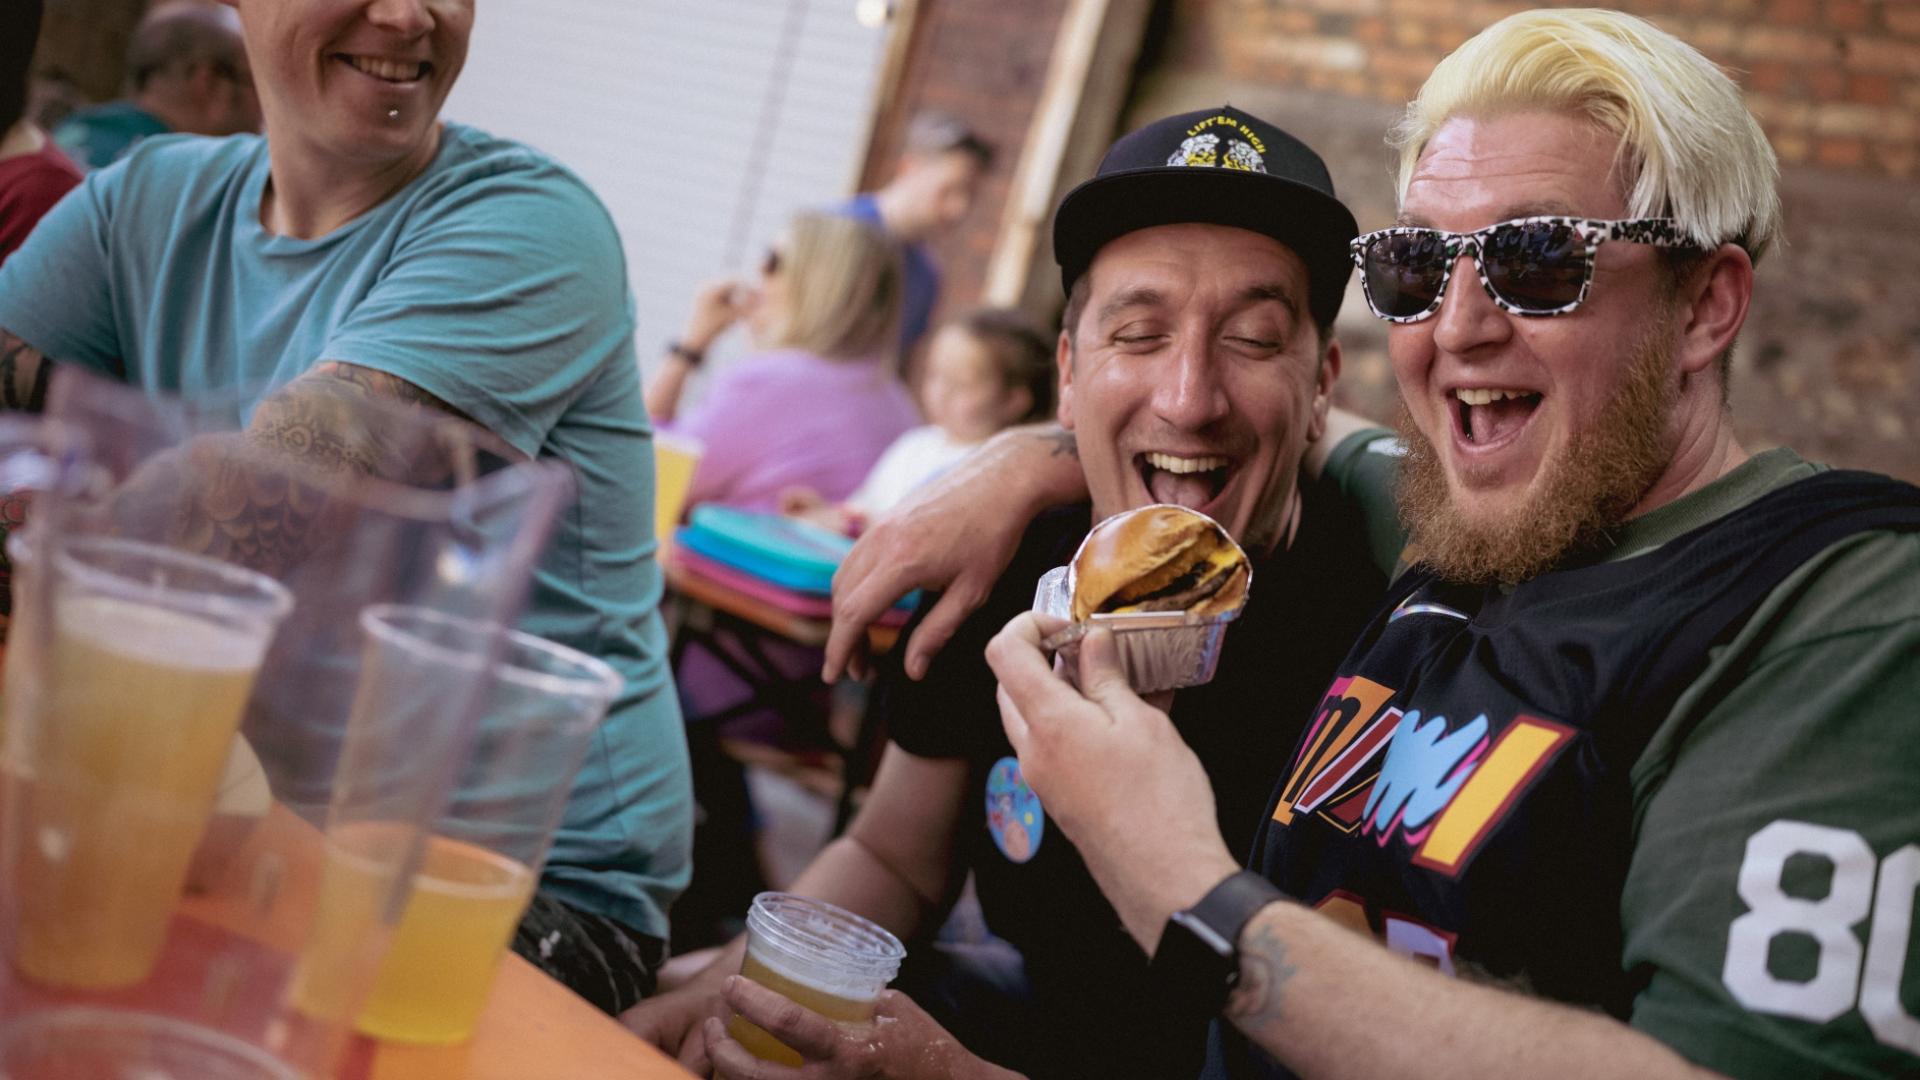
(398, 72)
(1487, 417)
(1192, 482)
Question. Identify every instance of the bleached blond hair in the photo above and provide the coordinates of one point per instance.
(1689, 148)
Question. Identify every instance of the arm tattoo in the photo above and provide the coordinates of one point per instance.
(1264, 974)
(262, 497)
(1064, 444)
(23, 375)
(341, 417)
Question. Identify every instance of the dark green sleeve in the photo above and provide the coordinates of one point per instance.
(1771, 898)
(1364, 468)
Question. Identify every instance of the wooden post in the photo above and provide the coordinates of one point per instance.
(1088, 80)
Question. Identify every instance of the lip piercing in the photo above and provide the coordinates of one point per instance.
(393, 114)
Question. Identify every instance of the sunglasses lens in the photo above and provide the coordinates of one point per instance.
(1405, 272)
(1536, 267)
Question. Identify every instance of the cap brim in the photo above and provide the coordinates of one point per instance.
(1315, 225)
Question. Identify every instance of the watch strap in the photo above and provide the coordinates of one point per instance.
(1197, 962)
(686, 352)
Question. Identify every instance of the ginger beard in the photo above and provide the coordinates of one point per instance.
(1586, 490)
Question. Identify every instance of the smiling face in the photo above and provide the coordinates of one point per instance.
(1195, 376)
(1530, 418)
(358, 81)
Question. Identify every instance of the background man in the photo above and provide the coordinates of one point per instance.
(1632, 735)
(365, 250)
(187, 72)
(933, 189)
(1195, 364)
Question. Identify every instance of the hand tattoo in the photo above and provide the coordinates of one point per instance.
(1264, 974)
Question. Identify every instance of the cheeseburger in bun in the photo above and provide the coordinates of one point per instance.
(1159, 558)
(1166, 580)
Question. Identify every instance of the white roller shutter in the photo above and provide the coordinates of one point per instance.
(703, 124)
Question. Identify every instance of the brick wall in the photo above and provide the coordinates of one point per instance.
(1830, 360)
(1834, 82)
(983, 61)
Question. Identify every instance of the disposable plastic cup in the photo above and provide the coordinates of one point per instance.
(123, 724)
(675, 459)
(817, 955)
(117, 1044)
(540, 704)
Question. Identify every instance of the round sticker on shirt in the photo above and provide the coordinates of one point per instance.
(1014, 816)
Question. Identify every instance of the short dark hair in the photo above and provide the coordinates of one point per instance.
(19, 33)
(1021, 350)
(932, 133)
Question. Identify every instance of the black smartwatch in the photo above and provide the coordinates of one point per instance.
(686, 352)
(1198, 962)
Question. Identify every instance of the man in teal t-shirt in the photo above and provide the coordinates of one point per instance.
(365, 248)
(187, 72)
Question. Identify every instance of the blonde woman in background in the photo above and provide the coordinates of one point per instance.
(818, 402)
(814, 407)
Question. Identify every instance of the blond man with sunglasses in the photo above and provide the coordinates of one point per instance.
(1627, 751)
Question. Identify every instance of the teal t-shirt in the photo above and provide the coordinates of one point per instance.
(99, 136)
(494, 281)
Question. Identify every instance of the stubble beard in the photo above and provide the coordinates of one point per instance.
(1584, 492)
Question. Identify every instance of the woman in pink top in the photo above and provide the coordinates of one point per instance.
(818, 403)
(814, 408)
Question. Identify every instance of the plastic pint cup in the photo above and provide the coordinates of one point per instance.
(126, 720)
(116, 1044)
(817, 955)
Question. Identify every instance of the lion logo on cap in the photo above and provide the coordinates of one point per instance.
(1244, 157)
(1197, 150)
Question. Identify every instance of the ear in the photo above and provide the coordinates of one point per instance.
(1715, 296)
(1063, 357)
(1323, 380)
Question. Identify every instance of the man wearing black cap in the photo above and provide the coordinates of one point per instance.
(1205, 262)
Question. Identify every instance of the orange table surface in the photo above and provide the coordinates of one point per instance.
(532, 1028)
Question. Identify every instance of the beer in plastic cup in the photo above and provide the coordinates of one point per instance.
(817, 955)
(675, 458)
(150, 660)
(439, 965)
(540, 704)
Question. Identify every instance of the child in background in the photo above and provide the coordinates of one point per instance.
(986, 370)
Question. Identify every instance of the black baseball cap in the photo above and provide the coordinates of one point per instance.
(1213, 167)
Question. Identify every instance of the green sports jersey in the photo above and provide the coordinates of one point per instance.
(1766, 896)
(1777, 849)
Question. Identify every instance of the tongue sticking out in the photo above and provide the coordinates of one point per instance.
(1495, 421)
(1191, 490)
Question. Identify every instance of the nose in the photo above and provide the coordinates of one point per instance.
(1468, 318)
(1191, 395)
(408, 18)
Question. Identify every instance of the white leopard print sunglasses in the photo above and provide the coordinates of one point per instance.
(1530, 265)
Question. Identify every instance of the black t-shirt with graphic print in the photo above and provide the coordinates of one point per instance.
(1094, 1012)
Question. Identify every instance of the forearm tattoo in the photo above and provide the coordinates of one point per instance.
(1264, 974)
(23, 375)
(245, 498)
